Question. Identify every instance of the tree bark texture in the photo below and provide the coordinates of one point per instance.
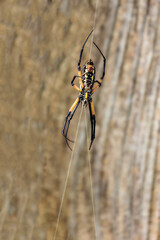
(40, 42)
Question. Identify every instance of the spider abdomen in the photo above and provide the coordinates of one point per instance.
(88, 82)
(88, 74)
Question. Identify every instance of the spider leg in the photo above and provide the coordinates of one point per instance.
(68, 119)
(103, 73)
(63, 131)
(81, 52)
(72, 83)
(93, 121)
(104, 61)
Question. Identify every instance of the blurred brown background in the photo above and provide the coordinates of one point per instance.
(40, 42)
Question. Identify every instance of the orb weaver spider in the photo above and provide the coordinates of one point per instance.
(87, 86)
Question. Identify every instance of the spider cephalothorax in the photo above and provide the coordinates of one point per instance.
(88, 85)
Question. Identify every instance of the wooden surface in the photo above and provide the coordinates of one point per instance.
(40, 42)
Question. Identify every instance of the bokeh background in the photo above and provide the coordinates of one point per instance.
(40, 42)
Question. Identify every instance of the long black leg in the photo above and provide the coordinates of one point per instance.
(93, 122)
(81, 52)
(67, 123)
(67, 116)
(104, 61)
(63, 131)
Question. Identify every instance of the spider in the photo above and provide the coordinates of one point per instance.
(87, 86)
